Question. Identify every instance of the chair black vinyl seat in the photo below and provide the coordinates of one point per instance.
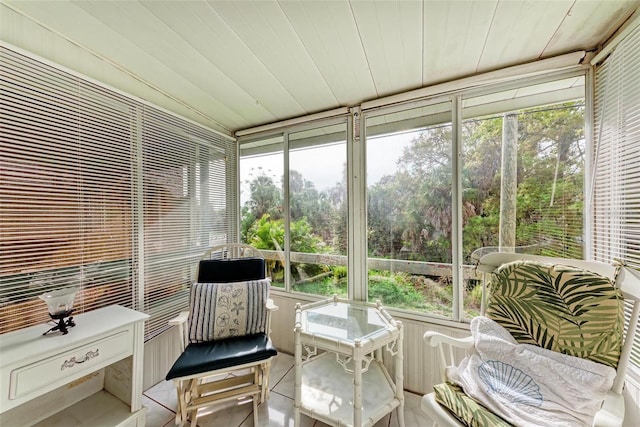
(198, 358)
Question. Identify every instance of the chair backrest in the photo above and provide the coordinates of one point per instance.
(233, 251)
(230, 270)
(236, 270)
(560, 308)
(229, 296)
(627, 282)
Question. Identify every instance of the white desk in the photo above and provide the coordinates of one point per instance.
(342, 380)
(91, 376)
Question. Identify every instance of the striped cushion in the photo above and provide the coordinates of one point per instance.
(223, 310)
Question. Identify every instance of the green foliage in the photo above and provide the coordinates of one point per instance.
(266, 233)
(550, 180)
(411, 292)
(339, 272)
(324, 287)
(473, 301)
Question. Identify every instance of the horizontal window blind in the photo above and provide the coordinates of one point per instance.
(65, 192)
(104, 193)
(616, 181)
(185, 198)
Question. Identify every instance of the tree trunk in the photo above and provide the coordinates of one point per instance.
(509, 183)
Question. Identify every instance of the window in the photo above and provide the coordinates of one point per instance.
(262, 202)
(523, 184)
(313, 190)
(433, 195)
(318, 210)
(417, 196)
(409, 211)
(187, 184)
(613, 192)
(65, 192)
(104, 193)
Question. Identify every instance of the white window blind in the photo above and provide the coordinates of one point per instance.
(616, 180)
(102, 192)
(65, 184)
(185, 182)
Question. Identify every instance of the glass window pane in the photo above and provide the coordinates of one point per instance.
(546, 214)
(409, 187)
(318, 210)
(261, 199)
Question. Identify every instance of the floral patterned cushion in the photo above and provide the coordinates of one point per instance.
(223, 310)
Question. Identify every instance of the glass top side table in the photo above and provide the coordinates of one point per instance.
(341, 379)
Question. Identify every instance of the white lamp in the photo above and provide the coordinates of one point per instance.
(60, 305)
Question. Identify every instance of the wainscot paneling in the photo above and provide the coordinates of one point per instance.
(159, 354)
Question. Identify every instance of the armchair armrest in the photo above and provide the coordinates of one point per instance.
(612, 411)
(436, 339)
(181, 322)
(271, 305)
(179, 319)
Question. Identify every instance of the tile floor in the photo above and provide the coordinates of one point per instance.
(161, 403)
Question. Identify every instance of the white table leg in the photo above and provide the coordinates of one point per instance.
(357, 394)
(298, 377)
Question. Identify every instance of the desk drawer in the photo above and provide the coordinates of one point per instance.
(76, 362)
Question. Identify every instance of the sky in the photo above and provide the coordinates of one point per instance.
(324, 165)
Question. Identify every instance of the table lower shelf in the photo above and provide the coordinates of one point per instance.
(327, 392)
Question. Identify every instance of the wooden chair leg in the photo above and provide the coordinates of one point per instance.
(266, 370)
(182, 389)
(194, 393)
(255, 410)
(194, 418)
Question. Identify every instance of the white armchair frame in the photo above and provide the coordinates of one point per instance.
(450, 349)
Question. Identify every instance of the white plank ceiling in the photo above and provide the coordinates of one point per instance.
(240, 64)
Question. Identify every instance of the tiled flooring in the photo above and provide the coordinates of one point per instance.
(161, 403)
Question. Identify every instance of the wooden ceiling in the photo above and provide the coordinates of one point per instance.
(239, 64)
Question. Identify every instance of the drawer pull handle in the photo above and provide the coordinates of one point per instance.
(70, 363)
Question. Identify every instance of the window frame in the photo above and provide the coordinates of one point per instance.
(356, 160)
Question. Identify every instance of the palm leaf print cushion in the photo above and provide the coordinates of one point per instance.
(466, 410)
(556, 307)
(559, 308)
